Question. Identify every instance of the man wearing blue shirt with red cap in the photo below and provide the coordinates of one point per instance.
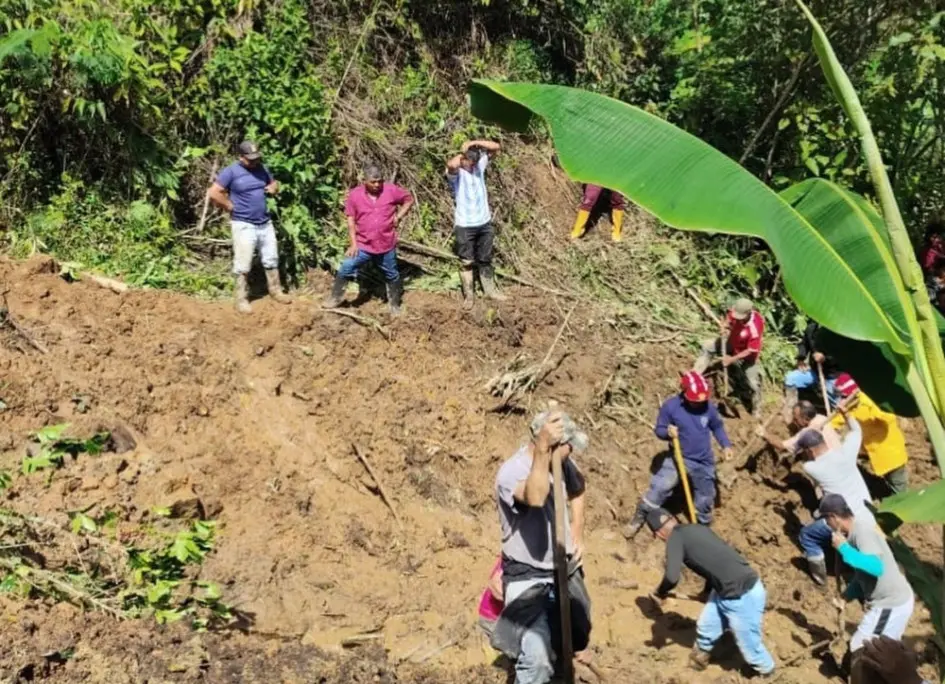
(693, 419)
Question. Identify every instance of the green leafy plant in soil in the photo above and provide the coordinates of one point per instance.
(157, 574)
(53, 448)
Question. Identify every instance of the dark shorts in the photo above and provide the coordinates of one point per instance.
(474, 245)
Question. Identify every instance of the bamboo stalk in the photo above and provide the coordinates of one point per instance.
(561, 572)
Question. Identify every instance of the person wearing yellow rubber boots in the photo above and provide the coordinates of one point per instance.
(618, 208)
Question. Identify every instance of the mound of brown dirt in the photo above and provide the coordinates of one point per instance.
(253, 421)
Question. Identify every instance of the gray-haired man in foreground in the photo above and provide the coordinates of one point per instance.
(528, 630)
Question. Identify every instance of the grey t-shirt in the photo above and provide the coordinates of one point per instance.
(836, 473)
(889, 590)
(527, 530)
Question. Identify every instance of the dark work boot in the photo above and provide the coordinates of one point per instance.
(395, 294)
(337, 293)
(818, 571)
(636, 523)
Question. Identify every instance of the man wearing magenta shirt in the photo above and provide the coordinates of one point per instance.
(374, 210)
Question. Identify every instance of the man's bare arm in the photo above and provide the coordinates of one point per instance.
(220, 197)
(490, 146)
(452, 166)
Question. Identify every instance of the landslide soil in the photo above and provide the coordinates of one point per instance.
(257, 416)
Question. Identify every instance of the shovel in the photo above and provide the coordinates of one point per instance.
(561, 565)
(823, 387)
(684, 476)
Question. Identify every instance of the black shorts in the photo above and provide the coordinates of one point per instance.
(474, 245)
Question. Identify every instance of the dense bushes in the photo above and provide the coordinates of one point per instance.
(119, 104)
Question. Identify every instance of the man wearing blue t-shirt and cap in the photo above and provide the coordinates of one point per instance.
(240, 190)
(692, 419)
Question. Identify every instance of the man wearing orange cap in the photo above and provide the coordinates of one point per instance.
(883, 441)
(739, 346)
(690, 417)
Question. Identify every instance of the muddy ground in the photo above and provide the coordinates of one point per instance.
(258, 417)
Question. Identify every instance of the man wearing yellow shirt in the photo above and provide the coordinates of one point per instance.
(883, 441)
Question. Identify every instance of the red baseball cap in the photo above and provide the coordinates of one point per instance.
(846, 385)
(694, 387)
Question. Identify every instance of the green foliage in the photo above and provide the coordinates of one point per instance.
(161, 584)
(603, 141)
(53, 448)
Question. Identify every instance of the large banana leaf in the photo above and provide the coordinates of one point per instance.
(924, 505)
(689, 185)
(857, 232)
(926, 583)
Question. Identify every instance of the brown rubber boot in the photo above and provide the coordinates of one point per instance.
(466, 280)
(241, 294)
(489, 289)
(698, 659)
(275, 286)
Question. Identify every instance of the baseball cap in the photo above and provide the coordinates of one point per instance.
(742, 308)
(833, 504)
(808, 439)
(846, 385)
(250, 150)
(656, 518)
(694, 387)
(572, 433)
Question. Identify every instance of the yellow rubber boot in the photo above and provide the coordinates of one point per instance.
(580, 223)
(617, 217)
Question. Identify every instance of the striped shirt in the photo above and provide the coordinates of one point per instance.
(472, 198)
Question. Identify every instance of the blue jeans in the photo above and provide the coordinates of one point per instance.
(535, 664)
(667, 478)
(814, 538)
(743, 615)
(387, 262)
(805, 379)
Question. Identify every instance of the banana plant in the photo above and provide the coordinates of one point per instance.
(843, 275)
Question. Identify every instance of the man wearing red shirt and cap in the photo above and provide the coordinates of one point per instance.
(693, 419)
(742, 329)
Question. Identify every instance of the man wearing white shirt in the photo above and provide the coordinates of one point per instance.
(834, 471)
(466, 173)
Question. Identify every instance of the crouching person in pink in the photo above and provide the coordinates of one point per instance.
(528, 628)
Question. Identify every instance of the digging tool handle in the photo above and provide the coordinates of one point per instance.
(684, 476)
(823, 386)
(561, 572)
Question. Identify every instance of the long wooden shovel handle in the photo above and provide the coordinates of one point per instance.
(561, 572)
(684, 476)
(823, 386)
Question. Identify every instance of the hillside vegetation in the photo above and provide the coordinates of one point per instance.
(117, 114)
